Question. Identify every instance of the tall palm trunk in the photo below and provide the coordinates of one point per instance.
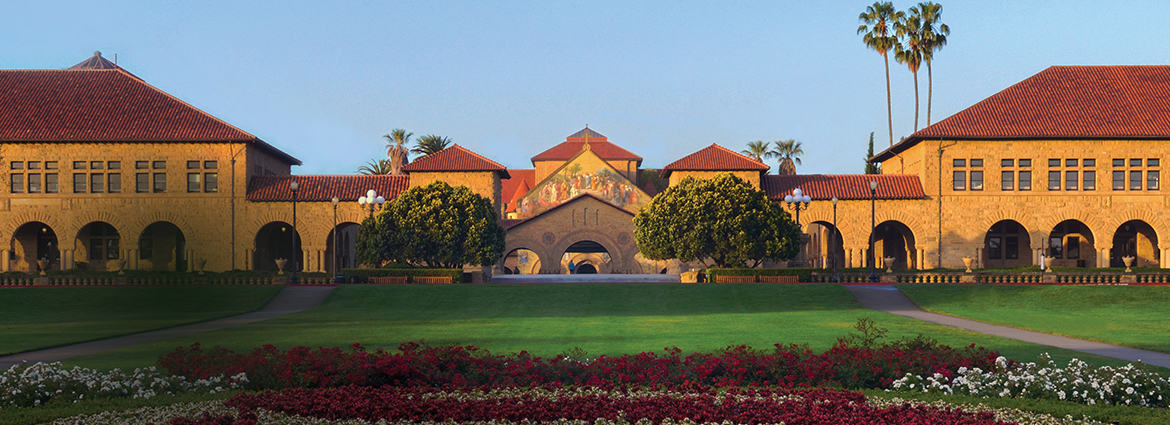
(929, 91)
(915, 100)
(889, 101)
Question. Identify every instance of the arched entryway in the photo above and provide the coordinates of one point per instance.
(1070, 244)
(277, 240)
(522, 261)
(31, 242)
(1135, 238)
(346, 244)
(98, 246)
(162, 246)
(1006, 244)
(586, 257)
(649, 266)
(896, 240)
(825, 246)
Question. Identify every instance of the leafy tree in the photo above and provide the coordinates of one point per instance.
(758, 150)
(789, 152)
(430, 144)
(910, 52)
(870, 168)
(934, 36)
(877, 23)
(723, 219)
(377, 167)
(396, 151)
(434, 226)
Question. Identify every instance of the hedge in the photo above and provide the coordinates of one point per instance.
(804, 274)
(363, 275)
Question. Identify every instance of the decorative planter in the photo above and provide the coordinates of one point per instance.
(44, 264)
(967, 261)
(121, 266)
(199, 264)
(1128, 262)
(1048, 264)
(889, 262)
(280, 262)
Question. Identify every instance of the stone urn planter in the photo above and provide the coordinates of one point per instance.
(200, 264)
(280, 262)
(889, 262)
(1128, 262)
(1048, 264)
(967, 262)
(44, 264)
(121, 266)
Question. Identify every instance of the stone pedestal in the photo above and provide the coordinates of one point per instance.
(967, 278)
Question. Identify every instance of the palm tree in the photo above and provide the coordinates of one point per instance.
(789, 152)
(377, 167)
(910, 52)
(396, 150)
(878, 23)
(430, 144)
(758, 150)
(934, 37)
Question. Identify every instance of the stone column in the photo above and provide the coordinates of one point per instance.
(5, 265)
(918, 264)
(190, 260)
(978, 263)
(1103, 257)
(1162, 260)
(66, 259)
(248, 254)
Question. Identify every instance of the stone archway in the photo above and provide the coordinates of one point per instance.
(1135, 238)
(825, 245)
(586, 257)
(30, 242)
(1071, 244)
(618, 261)
(277, 240)
(346, 243)
(162, 246)
(1006, 244)
(96, 245)
(894, 239)
(521, 261)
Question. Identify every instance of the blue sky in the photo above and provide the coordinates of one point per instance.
(324, 81)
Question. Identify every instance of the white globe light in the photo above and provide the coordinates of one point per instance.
(380, 200)
(796, 192)
(807, 199)
(362, 200)
(788, 198)
(370, 194)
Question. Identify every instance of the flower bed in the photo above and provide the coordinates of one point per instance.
(416, 365)
(33, 385)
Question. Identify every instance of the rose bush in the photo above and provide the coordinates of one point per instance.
(32, 385)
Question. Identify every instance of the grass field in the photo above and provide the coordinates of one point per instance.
(1133, 316)
(600, 319)
(43, 317)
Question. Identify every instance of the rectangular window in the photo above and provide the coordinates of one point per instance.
(976, 180)
(112, 249)
(34, 183)
(1070, 163)
(145, 249)
(17, 183)
(210, 182)
(976, 162)
(1025, 163)
(1070, 180)
(960, 182)
(1152, 162)
(78, 165)
(1135, 162)
(193, 182)
(1074, 248)
(210, 165)
(142, 182)
(51, 183)
(115, 182)
(994, 248)
(114, 165)
(192, 165)
(1152, 180)
(960, 163)
(1053, 162)
(1007, 179)
(1054, 180)
(95, 249)
(1055, 248)
(1007, 162)
(17, 165)
(1089, 162)
(1090, 181)
(97, 183)
(95, 165)
(1011, 247)
(160, 182)
(79, 183)
(50, 165)
(1118, 162)
(1119, 180)
(141, 165)
(1135, 180)
(159, 165)
(34, 165)
(1025, 180)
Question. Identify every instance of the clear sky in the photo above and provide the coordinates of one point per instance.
(324, 81)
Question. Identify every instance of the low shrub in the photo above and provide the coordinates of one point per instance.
(803, 274)
(40, 383)
(364, 275)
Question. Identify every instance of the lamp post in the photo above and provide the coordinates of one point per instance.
(296, 252)
(833, 241)
(798, 201)
(335, 201)
(873, 184)
(371, 202)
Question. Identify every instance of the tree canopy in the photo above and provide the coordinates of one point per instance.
(430, 144)
(723, 219)
(396, 151)
(433, 226)
(789, 152)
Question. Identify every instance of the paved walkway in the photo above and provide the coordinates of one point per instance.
(291, 299)
(889, 299)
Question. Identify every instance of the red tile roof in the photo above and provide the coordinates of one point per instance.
(518, 193)
(598, 143)
(104, 105)
(318, 188)
(508, 187)
(824, 187)
(714, 158)
(455, 158)
(1063, 102)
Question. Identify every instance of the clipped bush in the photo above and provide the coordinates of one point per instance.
(364, 275)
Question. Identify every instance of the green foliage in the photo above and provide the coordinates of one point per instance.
(434, 226)
(651, 175)
(804, 274)
(870, 168)
(724, 219)
(868, 333)
(364, 275)
(377, 167)
(430, 144)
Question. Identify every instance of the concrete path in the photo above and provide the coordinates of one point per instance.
(292, 299)
(889, 299)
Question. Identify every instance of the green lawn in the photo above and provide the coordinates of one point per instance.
(42, 317)
(600, 319)
(1134, 316)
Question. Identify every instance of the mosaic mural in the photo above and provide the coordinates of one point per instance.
(588, 174)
